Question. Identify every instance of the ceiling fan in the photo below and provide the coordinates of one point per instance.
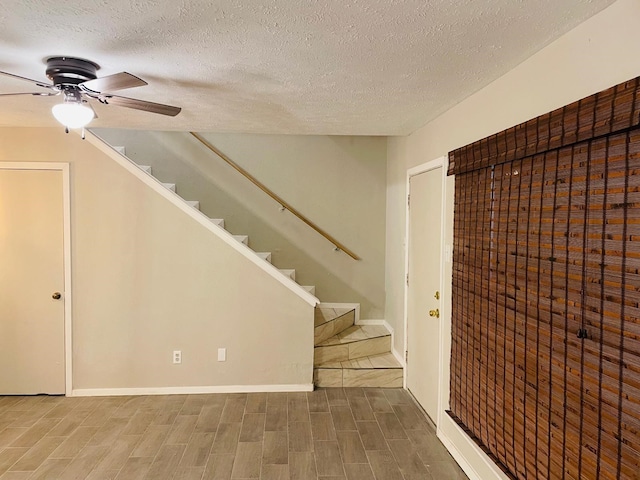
(76, 80)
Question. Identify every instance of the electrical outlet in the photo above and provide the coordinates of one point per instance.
(222, 354)
(177, 356)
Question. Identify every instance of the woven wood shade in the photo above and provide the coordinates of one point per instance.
(546, 251)
(606, 112)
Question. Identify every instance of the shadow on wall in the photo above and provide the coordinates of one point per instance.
(177, 157)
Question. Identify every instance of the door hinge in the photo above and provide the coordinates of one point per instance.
(407, 279)
(409, 200)
(406, 356)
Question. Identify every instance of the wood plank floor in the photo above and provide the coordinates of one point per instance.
(329, 434)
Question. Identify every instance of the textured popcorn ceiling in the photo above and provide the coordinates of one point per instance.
(351, 67)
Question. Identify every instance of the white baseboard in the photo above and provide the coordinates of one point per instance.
(399, 357)
(109, 392)
(459, 458)
(492, 471)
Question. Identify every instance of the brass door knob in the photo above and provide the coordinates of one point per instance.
(56, 296)
(434, 313)
(437, 295)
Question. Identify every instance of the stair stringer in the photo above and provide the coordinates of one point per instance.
(199, 217)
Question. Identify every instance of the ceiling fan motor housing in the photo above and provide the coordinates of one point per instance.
(70, 71)
(76, 79)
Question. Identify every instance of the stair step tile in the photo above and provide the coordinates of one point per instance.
(289, 273)
(355, 333)
(193, 203)
(325, 314)
(145, 168)
(379, 360)
(326, 330)
(373, 371)
(266, 256)
(383, 377)
(351, 350)
(385, 360)
(170, 186)
(370, 346)
(242, 239)
(218, 221)
(379, 378)
(310, 288)
(326, 377)
(370, 378)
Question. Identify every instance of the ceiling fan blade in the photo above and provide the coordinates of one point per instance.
(40, 84)
(37, 94)
(110, 83)
(142, 105)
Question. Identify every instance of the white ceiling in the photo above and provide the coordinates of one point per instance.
(350, 67)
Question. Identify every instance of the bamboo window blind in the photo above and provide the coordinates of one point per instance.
(545, 367)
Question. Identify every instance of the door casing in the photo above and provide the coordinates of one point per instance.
(66, 228)
(442, 163)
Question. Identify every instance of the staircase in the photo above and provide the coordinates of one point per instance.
(345, 354)
(351, 355)
(243, 239)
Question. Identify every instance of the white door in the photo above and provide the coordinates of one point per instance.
(423, 295)
(32, 349)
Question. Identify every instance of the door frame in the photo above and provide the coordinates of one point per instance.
(66, 233)
(441, 162)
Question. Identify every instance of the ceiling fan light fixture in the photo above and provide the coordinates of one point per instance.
(72, 115)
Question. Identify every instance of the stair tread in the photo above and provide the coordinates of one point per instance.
(242, 239)
(288, 272)
(356, 333)
(371, 362)
(324, 315)
(266, 256)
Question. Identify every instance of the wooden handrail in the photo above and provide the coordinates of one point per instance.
(284, 204)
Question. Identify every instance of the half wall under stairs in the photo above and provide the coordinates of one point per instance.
(346, 354)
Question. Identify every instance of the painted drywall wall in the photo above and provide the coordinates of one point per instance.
(336, 182)
(595, 55)
(147, 280)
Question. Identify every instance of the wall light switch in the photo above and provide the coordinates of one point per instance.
(222, 354)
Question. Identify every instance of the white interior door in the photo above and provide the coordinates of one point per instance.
(423, 295)
(32, 351)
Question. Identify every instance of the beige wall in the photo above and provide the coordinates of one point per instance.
(337, 182)
(596, 55)
(148, 280)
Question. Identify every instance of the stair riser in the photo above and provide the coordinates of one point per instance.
(384, 378)
(324, 314)
(333, 327)
(349, 351)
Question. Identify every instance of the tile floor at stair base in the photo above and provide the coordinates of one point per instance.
(338, 433)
